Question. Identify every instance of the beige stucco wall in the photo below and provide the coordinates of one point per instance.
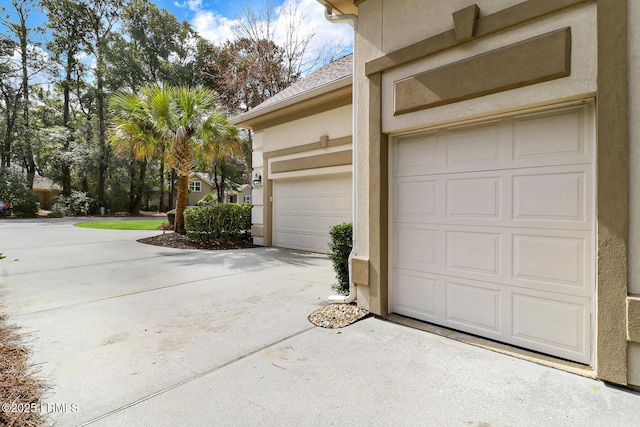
(634, 148)
(423, 24)
(633, 350)
(580, 84)
(369, 46)
(257, 194)
(334, 123)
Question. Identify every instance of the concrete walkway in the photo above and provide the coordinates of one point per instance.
(137, 335)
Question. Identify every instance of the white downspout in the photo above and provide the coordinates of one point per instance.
(353, 21)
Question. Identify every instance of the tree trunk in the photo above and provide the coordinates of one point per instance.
(102, 144)
(10, 117)
(137, 202)
(172, 189)
(66, 170)
(132, 183)
(29, 161)
(181, 204)
(215, 181)
(161, 202)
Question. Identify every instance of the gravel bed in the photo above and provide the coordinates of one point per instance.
(337, 315)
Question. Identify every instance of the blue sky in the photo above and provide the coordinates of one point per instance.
(215, 19)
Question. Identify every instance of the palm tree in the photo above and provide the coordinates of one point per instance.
(185, 119)
(133, 131)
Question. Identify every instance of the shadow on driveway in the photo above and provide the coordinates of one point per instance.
(238, 259)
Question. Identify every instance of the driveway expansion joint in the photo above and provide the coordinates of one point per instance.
(195, 377)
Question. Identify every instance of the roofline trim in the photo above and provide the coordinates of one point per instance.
(252, 115)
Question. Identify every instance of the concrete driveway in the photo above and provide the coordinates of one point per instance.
(137, 335)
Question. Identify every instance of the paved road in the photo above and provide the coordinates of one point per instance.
(137, 335)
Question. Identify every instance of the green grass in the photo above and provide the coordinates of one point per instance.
(132, 224)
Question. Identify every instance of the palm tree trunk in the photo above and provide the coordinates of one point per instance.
(181, 203)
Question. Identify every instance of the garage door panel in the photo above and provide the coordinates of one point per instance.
(419, 297)
(550, 325)
(473, 252)
(473, 146)
(550, 260)
(305, 209)
(550, 135)
(416, 248)
(416, 199)
(476, 307)
(418, 154)
(474, 197)
(508, 242)
(549, 196)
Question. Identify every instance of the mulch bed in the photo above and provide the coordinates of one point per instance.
(21, 388)
(175, 240)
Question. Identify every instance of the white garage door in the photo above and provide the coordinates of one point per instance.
(492, 229)
(305, 209)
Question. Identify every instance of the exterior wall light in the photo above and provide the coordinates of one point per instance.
(257, 180)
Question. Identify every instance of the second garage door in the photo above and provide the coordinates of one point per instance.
(492, 229)
(305, 209)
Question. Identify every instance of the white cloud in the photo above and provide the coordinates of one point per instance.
(193, 5)
(213, 27)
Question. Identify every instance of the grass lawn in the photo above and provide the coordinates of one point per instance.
(132, 224)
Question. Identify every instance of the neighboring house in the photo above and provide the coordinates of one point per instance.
(201, 184)
(496, 195)
(242, 195)
(302, 160)
(496, 192)
(46, 189)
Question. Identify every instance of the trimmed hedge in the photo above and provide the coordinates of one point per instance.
(224, 222)
(340, 246)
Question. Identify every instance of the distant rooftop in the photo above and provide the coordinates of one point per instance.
(333, 71)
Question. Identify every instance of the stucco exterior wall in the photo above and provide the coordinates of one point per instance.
(369, 43)
(334, 123)
(634, 148)
(580, 84)
(411, 14)
(634, 178)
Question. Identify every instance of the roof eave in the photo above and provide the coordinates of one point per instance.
(343, 6)
(312, 100)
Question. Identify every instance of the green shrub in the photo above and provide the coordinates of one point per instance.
(77, 204)
(208, 200)
(340, 246)
(225, 222)
(15, 191)
(171, 216)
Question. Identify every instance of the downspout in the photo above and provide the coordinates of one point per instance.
(353, 21)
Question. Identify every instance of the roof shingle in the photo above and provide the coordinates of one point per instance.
(333, 71)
